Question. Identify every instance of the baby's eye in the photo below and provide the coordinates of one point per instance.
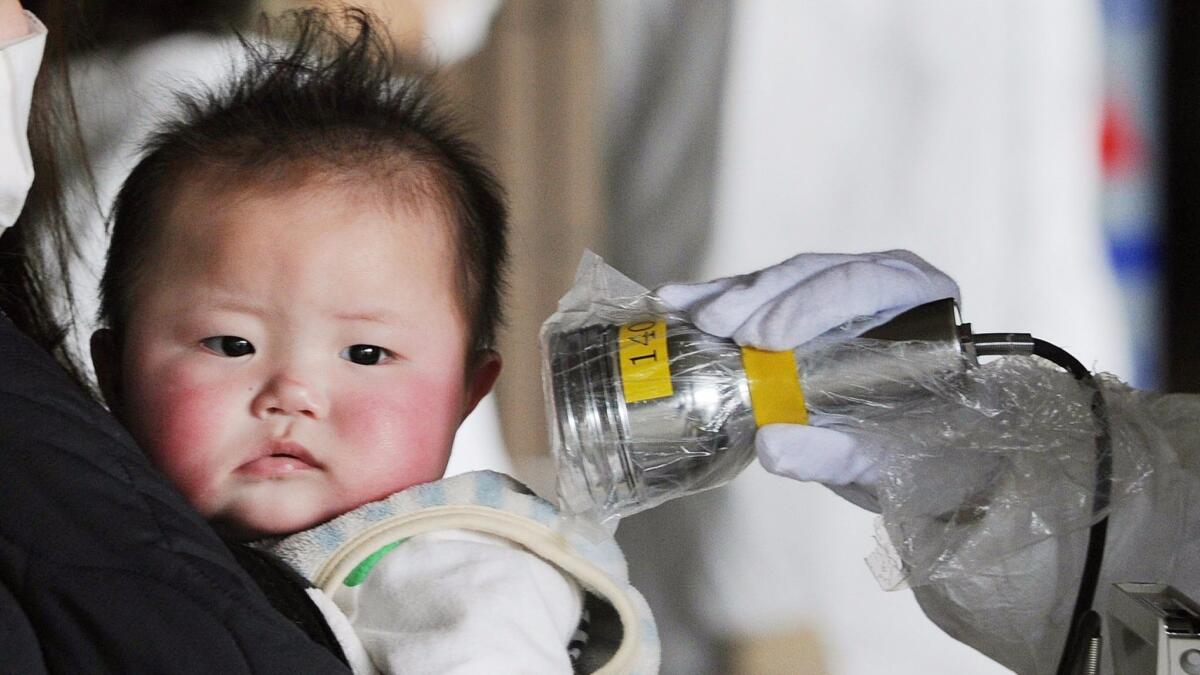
(228, 345)
(366, 355)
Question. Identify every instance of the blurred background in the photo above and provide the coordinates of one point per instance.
(1038, 152)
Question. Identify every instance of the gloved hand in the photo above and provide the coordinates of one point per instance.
(788, 304)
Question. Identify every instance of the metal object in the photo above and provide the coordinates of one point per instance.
(1001, 344)
(1155, 630)
(841, 377)
(1091, 663)
(624, 456)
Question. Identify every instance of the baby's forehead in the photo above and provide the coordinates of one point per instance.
(213, 216)
(397, 183)
(405, 201)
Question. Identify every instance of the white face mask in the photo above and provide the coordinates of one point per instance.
(19, 61)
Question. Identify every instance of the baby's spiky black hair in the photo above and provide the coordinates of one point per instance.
(334, 100)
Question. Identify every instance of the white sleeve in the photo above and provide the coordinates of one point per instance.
(461, 602)
(1019, 610)
(19, 61)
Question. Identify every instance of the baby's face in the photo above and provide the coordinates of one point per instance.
(293, 355)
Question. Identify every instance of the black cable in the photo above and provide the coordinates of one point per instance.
(1085, 622)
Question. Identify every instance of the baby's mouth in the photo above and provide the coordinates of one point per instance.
(279, 459)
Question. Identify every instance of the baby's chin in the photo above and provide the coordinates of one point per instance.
(265, 512)
(244, 527)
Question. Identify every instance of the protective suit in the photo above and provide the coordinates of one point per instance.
(986, 497)
(103, 566)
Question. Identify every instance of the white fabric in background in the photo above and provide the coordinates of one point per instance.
(456, 29)
(966, 132)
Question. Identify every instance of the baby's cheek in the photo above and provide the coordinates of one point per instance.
(405, 436)
(183, 436)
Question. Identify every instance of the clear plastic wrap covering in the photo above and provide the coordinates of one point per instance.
(644, 407)
(1011, 440)
(617, 455)
(986, 472)
(986, 488)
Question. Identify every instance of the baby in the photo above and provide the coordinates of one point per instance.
(300, 305)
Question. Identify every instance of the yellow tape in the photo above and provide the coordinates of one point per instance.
(645, 363)
(775, 391)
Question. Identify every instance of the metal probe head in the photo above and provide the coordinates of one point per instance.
(617, 455)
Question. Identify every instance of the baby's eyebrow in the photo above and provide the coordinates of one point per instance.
(380, 316)
(230, 304)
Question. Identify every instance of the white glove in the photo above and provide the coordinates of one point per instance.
(786, 305)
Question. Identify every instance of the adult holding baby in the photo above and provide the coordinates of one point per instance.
(301, 293)
(103, 566)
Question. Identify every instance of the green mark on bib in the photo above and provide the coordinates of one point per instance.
(359, 573)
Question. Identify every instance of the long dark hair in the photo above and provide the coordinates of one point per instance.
(36, 252)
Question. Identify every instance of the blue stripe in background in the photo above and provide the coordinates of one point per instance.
(1129, 13)
(1136, 255)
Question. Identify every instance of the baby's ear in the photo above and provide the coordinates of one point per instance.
(481, 377)
(107, 362)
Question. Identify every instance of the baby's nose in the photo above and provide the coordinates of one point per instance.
(289, 396)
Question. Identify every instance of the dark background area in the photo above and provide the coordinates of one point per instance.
(1181, 198)
(96, 23)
